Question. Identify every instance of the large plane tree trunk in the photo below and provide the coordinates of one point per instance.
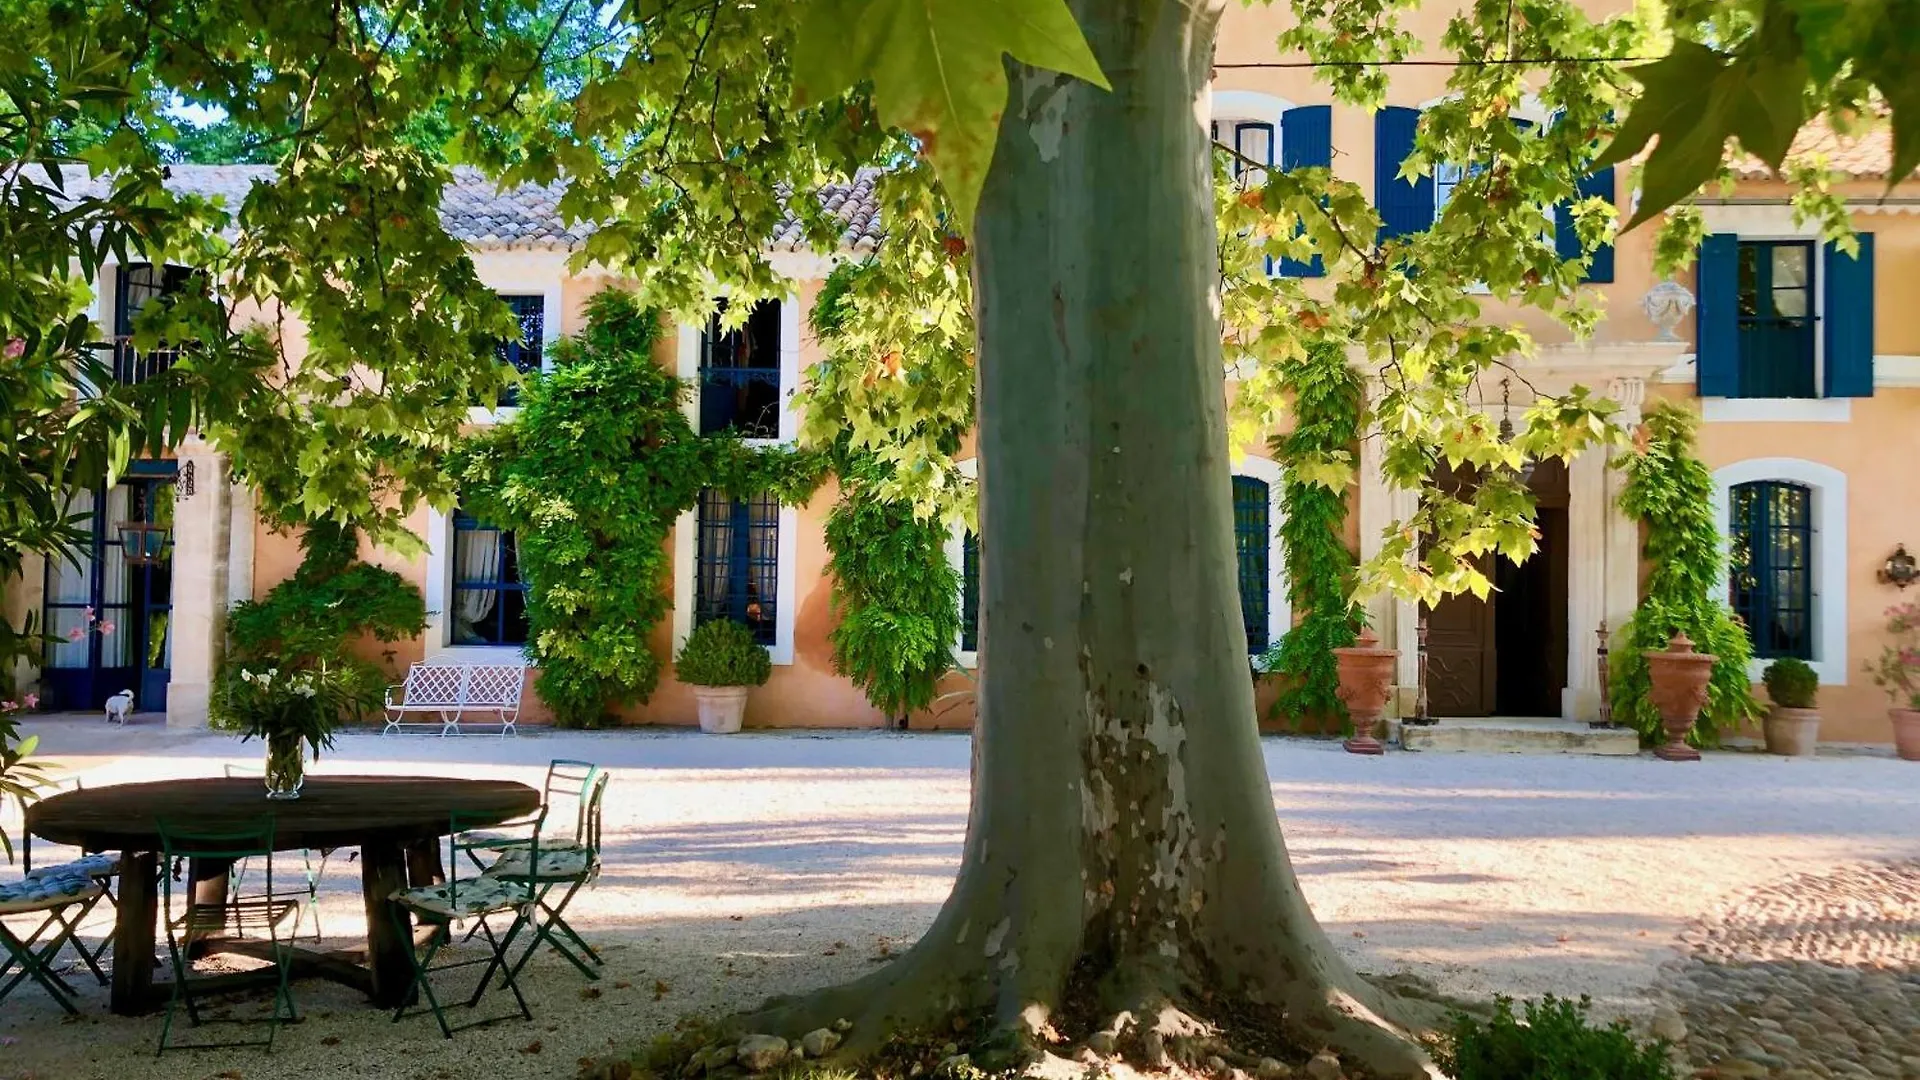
(1122, 861)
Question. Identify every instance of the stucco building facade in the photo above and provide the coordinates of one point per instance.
(1804, 365)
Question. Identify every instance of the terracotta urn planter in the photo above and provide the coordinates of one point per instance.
(1906, 733)
(1366, 681)
(1679, 677)
(1792, 732)
(721, 708)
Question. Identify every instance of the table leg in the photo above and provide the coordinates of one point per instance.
(133, 934)
(383, 871)
(423, 864)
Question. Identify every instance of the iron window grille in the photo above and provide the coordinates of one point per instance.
(1770, 579)
(738, 564)
(740, 375)
(528, 352)
(489, 597)
(1252, 531)
(970, 592)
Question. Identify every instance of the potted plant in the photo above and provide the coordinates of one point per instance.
(290, 710)
(1792, 725)
(1897, 671)
(723, 664)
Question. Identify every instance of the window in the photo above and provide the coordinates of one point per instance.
(1774, 294)
(138, 285)
(739, 375)
(738, 561)
(1445, 179)
(526, 353)
(1253, 142)
(489, 599)
(1771, 567)
(1252, 538)
(970, 592)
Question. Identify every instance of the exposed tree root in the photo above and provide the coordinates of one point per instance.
(946, 1012)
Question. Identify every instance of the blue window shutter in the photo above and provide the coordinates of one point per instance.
(1717, 319)
(1404, 207)
(1600, 268)
(1849, 319)
(1306, 142)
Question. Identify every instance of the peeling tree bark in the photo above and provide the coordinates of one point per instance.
(1122, 839)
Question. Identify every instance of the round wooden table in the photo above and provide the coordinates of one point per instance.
(395, 821)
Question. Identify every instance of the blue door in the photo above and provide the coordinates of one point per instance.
(110, 609)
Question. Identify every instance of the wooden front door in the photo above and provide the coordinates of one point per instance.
(1463, 669)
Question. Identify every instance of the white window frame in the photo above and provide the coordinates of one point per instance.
(1279, 602)
(1761, 223)
(438, 639)
(1827, 562)
(956, 548)
(687, 526)
(523, 273)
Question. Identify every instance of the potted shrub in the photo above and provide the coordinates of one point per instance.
(723, 664)
(1897, 671)
(1792, 725)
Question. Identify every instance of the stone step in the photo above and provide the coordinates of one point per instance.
(1518, 735)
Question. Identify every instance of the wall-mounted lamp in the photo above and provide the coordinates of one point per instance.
(1900, 568)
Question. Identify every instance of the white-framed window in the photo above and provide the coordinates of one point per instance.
(1786, 525)
(530, 283)
(1249, 122)
(963, 554)
(476, 601)
(735, 558)
(1265, 608)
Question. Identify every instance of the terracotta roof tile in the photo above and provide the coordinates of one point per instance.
(483, 216)
(1857, 157)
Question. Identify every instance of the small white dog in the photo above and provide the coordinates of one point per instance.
(118, 706)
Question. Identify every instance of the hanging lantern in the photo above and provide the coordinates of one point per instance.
(1525, 472)
(142, 543)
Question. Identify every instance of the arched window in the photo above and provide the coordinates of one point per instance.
(1252, 540)
(1770, 579)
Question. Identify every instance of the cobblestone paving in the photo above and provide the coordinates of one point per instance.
(1815, 976)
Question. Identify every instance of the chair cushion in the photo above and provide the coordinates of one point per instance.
(464, 899)
(46, 893)
(561, 864)
(97, 866)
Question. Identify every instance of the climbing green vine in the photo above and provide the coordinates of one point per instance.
(1327, 401)
(1669, 490)
(894, 399)
(591, 475)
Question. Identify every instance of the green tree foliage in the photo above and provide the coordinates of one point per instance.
(1756, 72)
(311, 623)
(1670, 491)
(590, 475)
(1327, 403)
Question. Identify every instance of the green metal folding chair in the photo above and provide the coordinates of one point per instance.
(568, 784)
(477, 898)
(572, 867)
(266, 913)
(101, 868)
(313, 869)
(63, 899)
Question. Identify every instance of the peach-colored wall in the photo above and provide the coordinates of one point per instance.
(1880, 514)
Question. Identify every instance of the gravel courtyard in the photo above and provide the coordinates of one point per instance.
(745, 866)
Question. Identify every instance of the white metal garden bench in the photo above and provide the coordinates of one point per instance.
(450, 691)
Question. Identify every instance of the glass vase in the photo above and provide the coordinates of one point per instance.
(286, 766)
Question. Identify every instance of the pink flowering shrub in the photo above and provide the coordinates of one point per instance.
(1897, 669)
